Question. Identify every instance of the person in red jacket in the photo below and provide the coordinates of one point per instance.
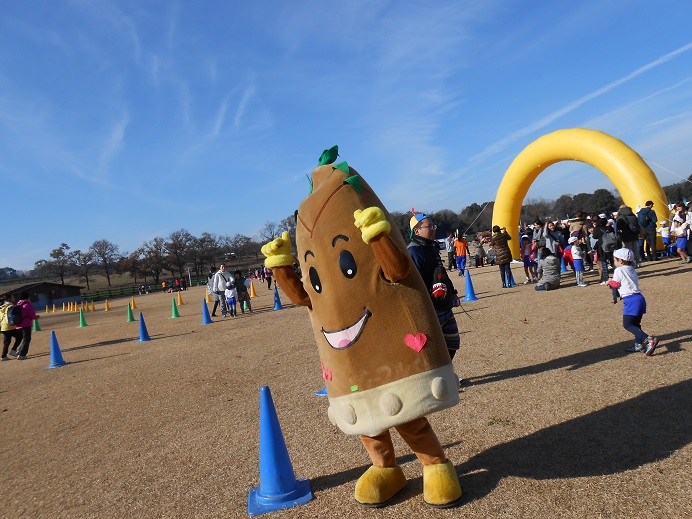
(25, 327)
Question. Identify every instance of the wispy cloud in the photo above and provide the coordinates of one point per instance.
(220, 118)
(545, 121)
(248, 93)
(113, 145)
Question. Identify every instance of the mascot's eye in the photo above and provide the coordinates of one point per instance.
(348, 264)
(315, 280)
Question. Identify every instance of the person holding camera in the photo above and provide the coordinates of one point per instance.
(503, 256)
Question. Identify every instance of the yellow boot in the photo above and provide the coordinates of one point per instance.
(378, 485)
(441, 487)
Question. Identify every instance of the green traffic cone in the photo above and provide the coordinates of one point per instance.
(130, 317)
(245, 305)
(37, 327)
(82, 319)
(174, 312)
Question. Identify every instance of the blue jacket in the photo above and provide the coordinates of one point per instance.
(651, 226)
(426, 257)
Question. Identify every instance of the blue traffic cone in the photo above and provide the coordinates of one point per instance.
(470, 293)
(563, 268)
(277, 301)
(56, 359)
(510, 279)
(322, 392)
(206, 318)
(278, 488)
(143, 334)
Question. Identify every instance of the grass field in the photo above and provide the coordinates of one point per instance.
(556, 420)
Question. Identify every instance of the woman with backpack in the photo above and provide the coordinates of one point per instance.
(9, 331)
(628, 229)
(606, 243)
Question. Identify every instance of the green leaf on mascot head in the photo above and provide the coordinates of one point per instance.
(295, 217)
(355, 183)
(341, 166)
(329, 156)
(309, 180)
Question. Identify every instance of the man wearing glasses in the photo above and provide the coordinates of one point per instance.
(425, 254)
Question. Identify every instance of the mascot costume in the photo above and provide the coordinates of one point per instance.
(384, 358)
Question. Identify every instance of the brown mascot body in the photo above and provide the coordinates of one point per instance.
(384, 358)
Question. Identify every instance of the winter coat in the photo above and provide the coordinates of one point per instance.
(651, 226)
(626, 218)
(549, 271)
(503, 255)
(28, 313)
(426, 258)
(4, 325)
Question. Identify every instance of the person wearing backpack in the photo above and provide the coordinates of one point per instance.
(628, 228)
(606, 243)
(647, 221)
(9, 331)
(25, 326)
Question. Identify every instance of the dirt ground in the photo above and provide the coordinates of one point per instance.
(556, 420)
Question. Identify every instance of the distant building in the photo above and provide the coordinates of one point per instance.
(47, 294)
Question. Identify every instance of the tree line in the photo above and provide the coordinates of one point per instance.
(181, 250)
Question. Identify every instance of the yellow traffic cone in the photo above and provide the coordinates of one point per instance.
(93, 306)
(54, 310)
(63, 307)
(133, 305)
(252, 290)
(180, 299)
(108, 307)
(47, 309)
(209, 299)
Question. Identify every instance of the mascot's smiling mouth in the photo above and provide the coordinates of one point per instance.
(345, 337)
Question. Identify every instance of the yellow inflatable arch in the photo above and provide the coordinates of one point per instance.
(632, 177)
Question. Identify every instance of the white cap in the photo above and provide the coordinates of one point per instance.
(602, 215)
(624, 254)
(572, 239)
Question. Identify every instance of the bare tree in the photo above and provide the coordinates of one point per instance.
(60, 266)
(83, 265)
(108, 254)
(132, 264)
(289, 225)
(154, 258)
(269, 231)
(178, 247)
(208, 249)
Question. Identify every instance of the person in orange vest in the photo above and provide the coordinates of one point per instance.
(461, 247)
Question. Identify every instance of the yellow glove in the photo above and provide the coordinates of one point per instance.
(278, 252)
(371, 222)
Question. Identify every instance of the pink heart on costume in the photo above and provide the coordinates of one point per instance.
(416, 342)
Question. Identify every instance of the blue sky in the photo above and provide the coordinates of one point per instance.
(125, 120)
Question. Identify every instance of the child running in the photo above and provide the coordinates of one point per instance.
(625, 279)
(578, 261)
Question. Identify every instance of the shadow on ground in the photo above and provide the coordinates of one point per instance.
(614, 439)
(670, 343)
